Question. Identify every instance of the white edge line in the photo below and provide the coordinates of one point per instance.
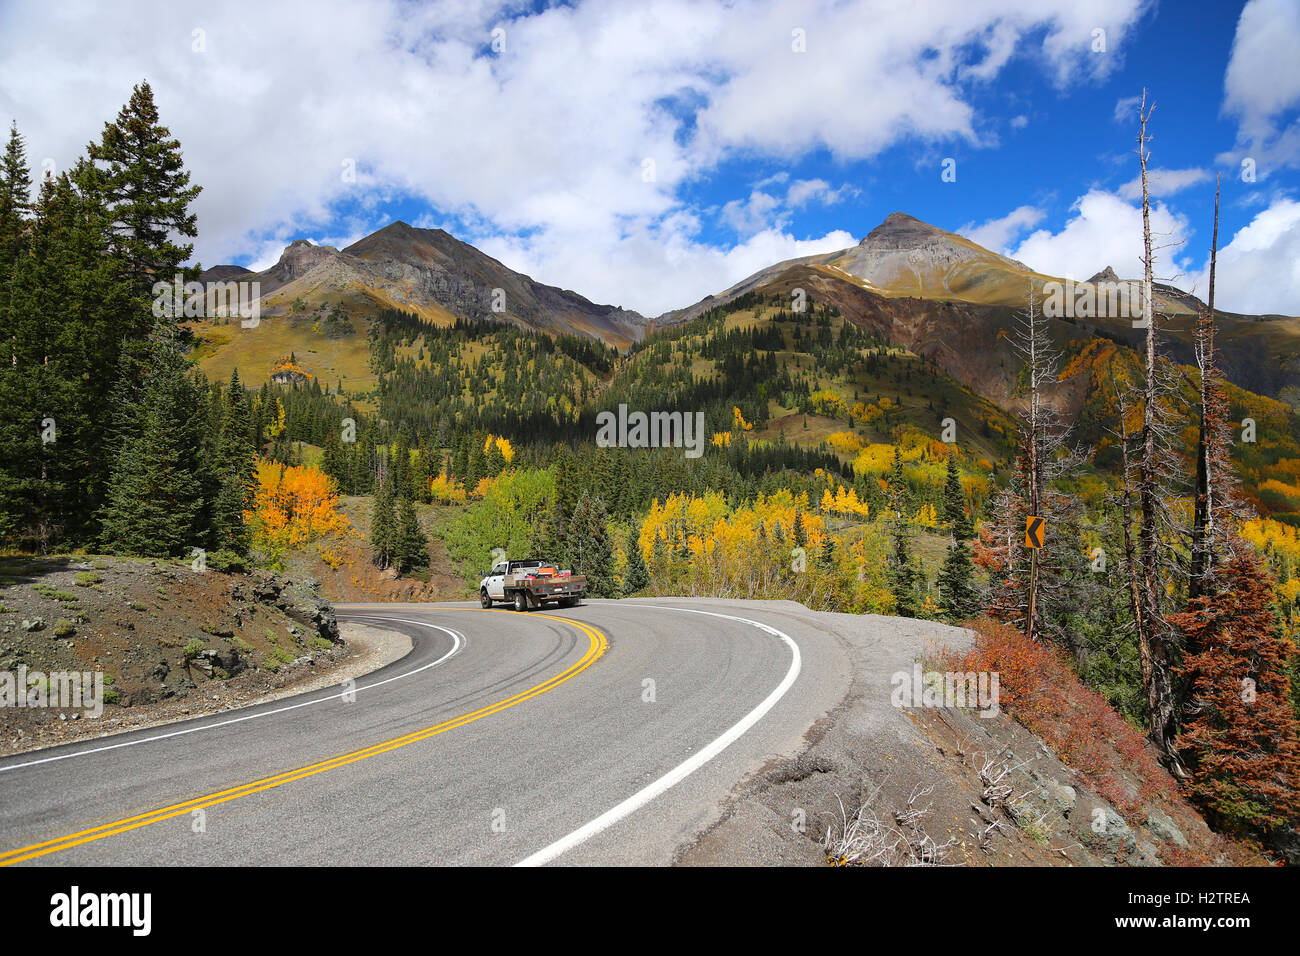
(687, 767)
(457, 643)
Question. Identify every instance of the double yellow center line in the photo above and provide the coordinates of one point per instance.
(594, 651)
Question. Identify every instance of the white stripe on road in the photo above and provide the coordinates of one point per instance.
(688, 767)
(457, 643)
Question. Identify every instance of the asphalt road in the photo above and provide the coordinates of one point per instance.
(610, 733)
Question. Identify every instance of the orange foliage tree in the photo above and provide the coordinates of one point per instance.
(293, 506)
(1240, 739)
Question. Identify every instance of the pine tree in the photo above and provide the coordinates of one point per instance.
(637, 576)
(234, 472)
(590, 551)
(147, 188)
(903, 576)
(959, 599)
(954, 503)
(1240, 739)
(826, 559)
(15, 207)
(900, 494)
(155, 491)
(401, 470)
(411, 551)
(383, 527)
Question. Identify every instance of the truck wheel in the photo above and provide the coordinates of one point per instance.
(568, 602)
(521, 601)
(483, 598)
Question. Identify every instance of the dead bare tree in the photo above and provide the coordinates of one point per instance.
(1218, 498)
(1037, 580)
(1155, 636)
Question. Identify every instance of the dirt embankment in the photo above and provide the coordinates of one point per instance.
(169, 642)
(944, 785)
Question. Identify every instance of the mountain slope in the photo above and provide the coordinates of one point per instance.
(316, 302)
(943, 296)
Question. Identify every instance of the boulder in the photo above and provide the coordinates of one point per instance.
(1164, 829)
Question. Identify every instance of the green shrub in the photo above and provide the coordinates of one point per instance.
(227, 562)
(111, 696)
(64, 628)
(192, 648)
(87, 579)
(322, 642)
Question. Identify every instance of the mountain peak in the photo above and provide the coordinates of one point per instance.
(899, 227)
(1105, 275)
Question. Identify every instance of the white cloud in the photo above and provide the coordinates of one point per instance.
(997, 234)
(1262, 84)
(1105, 230)
(645, 258)
(1164, 182)
(751, 215)
(546, 140)
(1258, 271)
(1126, 109)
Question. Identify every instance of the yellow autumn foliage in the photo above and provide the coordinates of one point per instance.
(293, 505)
(503, 445)
(709, 527)
(848, 443)
(446, 489)
(844, 502)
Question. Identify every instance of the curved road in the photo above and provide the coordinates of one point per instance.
(609, 733)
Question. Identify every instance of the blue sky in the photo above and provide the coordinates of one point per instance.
(649, 154)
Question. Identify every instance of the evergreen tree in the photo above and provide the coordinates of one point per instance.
(401, 469)
(15, 207)
(155, 491)
(959, 599)
(637, 576)
(411, 550)
(590, 551)
(826, 558)
(147, 188)
(234, 472)
(900, 493)
(1241, 739)
(903, 576)
(954, 503)
(383, 527)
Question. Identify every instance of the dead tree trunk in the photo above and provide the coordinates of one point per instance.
(1033, 470)
(1153, 629)
(1204, 528)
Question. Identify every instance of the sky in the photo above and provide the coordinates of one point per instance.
(647, 154)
